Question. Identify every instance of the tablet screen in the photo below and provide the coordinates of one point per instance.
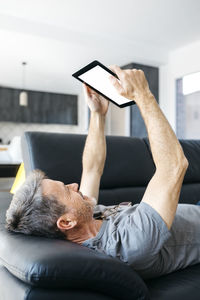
(98, 78)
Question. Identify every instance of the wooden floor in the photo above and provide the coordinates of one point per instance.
(6, 183)
(5, 196)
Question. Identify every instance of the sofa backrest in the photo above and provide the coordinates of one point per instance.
(128, 169)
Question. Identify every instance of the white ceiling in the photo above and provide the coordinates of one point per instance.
(56, 37)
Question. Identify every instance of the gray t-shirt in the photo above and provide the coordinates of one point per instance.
(138, 236)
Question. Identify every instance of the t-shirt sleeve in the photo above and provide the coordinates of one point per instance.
(143, 234)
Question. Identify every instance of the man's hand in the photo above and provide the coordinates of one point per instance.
(96, 102)
(132, 84)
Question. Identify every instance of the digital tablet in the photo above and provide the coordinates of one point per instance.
(96, 76)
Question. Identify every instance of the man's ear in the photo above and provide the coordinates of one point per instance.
(66, 222)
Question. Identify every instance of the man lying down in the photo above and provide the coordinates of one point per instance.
(156, 236)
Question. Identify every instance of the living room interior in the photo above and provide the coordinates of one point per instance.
(44, 42)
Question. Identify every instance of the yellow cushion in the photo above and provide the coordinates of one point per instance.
(19, 179)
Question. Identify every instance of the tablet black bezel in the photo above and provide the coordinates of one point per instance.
(92, 65)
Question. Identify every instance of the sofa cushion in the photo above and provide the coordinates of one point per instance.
(180, 285)
(14, 289)
(45, 263)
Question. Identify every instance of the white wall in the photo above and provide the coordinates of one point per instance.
(182, 61)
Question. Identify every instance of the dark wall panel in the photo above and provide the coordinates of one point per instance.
(42, 107)
(138, 128)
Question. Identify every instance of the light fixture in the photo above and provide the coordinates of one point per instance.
(23, 96)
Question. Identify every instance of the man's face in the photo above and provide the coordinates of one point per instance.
(69, 195)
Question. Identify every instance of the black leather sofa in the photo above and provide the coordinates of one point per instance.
(35, 268)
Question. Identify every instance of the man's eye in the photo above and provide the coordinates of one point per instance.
(80, 194)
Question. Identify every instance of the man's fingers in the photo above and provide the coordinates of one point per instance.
(86, 90)
(118, 84)
(111, 68)
(115, 82)
(116, 70)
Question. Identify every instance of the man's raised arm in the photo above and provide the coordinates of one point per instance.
(94, 153)
(163, 190)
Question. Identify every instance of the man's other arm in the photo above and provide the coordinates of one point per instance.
(163, 190)
(94, 153)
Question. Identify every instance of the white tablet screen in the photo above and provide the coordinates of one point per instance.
(98, 78)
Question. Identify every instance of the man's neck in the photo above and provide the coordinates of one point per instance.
(84, 232)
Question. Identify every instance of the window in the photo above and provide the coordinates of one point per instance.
(188, 106)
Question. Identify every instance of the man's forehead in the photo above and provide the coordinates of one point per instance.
(49, 186)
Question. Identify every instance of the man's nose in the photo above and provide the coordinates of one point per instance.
(73, 186)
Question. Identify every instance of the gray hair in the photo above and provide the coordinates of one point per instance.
(32, 213)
